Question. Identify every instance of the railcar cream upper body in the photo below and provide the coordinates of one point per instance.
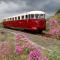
(27, 15)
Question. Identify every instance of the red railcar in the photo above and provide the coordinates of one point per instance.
(33, 20)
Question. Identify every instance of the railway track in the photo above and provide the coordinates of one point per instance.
(31, 33)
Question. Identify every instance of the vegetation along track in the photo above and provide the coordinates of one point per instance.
(42, 39)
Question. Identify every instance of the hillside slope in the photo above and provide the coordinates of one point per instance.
(56, 17)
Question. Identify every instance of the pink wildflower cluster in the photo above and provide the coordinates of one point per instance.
(54, 27)
(19, 49)
(36, 55)
(21, 43)
(5, 50)
(20, 36)
(23, 39)
(21, 46)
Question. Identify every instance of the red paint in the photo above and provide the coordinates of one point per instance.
(30, 24)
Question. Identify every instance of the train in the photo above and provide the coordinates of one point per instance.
(33, 21)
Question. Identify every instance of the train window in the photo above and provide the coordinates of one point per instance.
(37, 16)
(32, 16)
(26, 16)
(29, 16)
(4, 19)
(10, 19)
(22, 17)
(18, 17)
(42, 15)
(15, 18)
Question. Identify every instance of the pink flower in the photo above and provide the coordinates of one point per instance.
(19, 49)
(35, 54)
(22, 37)
(54, 27)
(18, 37)
(53, 22)
(5, 48)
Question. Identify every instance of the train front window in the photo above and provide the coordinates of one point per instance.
(37, 16)
(42, 15)
(32, 16)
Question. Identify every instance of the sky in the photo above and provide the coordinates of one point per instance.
(15, 7)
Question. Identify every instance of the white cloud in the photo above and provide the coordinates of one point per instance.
(3, 7)
(10, 8)
(13, 7)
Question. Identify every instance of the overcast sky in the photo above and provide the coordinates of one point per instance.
(13, 7)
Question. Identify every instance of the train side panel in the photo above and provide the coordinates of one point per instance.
(36, 24)
(30, 24)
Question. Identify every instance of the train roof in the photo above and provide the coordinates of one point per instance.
(31, 12)
(36, 12)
